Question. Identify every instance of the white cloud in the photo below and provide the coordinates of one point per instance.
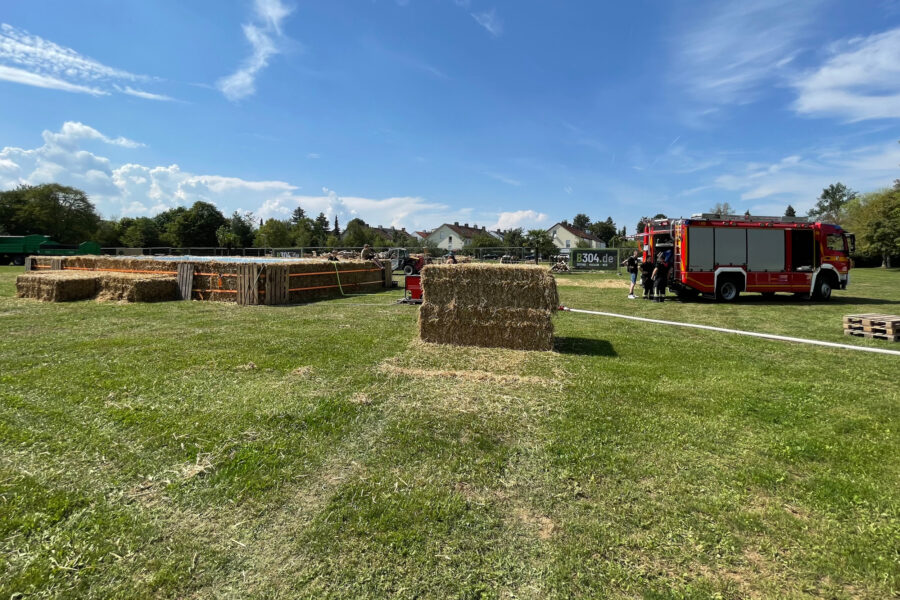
(504, 179)
(31, 60)
(860, 81)
(519, 218)
(144, 94)
(740, 45)
(132, 189)
(490, 21)
(45, 81)
(242, 82)
(798, 180)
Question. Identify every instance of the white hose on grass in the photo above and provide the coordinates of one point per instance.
(769, 336)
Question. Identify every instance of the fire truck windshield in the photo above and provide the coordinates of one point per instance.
(836, 243)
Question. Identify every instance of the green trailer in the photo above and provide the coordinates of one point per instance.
(14, 248)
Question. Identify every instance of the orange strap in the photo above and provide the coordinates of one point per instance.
(323, 287)
(120, 270)
(332, 272)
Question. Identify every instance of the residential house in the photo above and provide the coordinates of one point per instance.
(456, 236)
(566, 237)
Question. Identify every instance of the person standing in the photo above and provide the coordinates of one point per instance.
(660, 277)
(631, 265)
(647, 267)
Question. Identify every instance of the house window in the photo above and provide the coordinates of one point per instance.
(568, 243)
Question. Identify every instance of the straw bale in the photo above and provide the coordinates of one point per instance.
(494, 306)
(136, 287)
(57, 286)
(478, 285)
(516, 328)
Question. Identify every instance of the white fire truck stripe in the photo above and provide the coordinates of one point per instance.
(768, 336)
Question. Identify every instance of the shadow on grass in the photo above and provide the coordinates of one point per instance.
(583, 346)
(789, 299)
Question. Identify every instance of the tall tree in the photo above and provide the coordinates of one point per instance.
(336, 232)
(875, 218)
(274, 233)
(790, 212)
(140, 233)
(721, 208)
(358, 233)
(540, 240)
(581, 221)
(605, 230)
(320, 230)
(298, 215)
(63, 213)
(831, 204)
(513, 238)
(196, 226)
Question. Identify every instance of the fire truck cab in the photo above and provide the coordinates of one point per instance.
(724, 255)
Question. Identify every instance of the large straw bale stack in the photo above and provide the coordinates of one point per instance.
(495, 306)
(317, 280)
(136, 287)
(57, 286)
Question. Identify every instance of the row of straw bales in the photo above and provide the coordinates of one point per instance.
(68, 286)
(306, 280)
(493, 306)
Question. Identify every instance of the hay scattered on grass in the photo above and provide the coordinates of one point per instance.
(303, 371)
(250, 366)
(466, 375)
(496, 306)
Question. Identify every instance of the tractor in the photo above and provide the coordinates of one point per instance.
(402, 261)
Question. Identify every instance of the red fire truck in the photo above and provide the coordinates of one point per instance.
(724, 255)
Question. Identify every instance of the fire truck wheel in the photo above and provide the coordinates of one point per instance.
(823, 289)
(727, 290)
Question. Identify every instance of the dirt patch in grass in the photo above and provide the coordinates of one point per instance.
(542, 526)
(602, 284)
(304, 371)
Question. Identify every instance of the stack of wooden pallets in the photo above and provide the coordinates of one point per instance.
(881, 327)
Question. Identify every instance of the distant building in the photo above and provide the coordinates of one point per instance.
(456, 236)
(567, 237)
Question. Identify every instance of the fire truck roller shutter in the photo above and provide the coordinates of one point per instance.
(731, 246)
(765, 250)
(700, 249)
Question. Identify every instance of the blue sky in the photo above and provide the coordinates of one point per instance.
(418, 112)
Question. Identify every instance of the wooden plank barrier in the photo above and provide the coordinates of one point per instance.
(185, 280)
(248, 283)
(56, 264)
(276, 284)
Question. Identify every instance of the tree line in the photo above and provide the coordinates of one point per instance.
(68, 216)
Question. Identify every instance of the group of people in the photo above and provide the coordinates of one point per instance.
(654, 275)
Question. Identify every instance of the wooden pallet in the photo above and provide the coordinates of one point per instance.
(876, 336)
(873, 320)
(873, 329)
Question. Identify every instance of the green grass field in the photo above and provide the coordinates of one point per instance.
(199, 450)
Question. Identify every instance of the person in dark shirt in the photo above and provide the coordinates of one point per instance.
(631, 265)
(660, 277)
(647, 267)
